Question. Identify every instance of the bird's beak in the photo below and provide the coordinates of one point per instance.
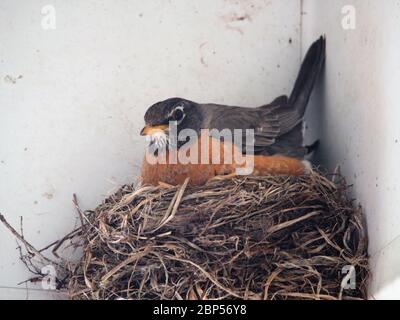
(149, 130)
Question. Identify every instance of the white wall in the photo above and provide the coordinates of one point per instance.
(72, 99)
(357, 114)
(70, 123)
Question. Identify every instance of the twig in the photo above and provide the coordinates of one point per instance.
(26, 243)
(78, 209)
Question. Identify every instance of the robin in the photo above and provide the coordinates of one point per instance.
(182, 129)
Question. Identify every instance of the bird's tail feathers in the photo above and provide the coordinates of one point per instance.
(309, 71)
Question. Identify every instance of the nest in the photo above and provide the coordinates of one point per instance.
(244, 238)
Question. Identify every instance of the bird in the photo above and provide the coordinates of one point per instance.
(178, 128)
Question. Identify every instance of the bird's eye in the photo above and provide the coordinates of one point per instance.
(178, 114)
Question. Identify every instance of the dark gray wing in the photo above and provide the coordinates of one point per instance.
(273, 125)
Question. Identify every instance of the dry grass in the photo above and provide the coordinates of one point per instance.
(243, 238)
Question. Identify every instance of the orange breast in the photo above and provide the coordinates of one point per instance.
(264, 165)
(220, 158)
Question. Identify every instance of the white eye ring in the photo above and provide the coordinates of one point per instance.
(181, 108)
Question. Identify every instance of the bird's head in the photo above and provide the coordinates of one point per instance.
(174, 113)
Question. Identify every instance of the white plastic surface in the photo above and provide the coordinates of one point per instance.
(356, 113)
(72, 99)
